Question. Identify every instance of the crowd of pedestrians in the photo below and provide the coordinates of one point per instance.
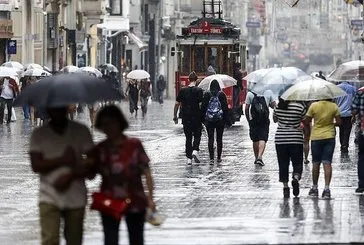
(64, 162)
(302, 126)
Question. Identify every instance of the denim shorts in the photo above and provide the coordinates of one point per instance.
(322, 151)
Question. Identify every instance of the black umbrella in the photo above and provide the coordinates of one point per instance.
(66, 89)
(109, 68)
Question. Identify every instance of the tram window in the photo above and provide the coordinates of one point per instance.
(212, 58)
(186, 61)
(225, 60)
(199, 58)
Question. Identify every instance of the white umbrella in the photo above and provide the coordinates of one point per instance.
(257, 75)
(274, 79)
(312, 90)
(36, 73)
(352, 71)
(224, 81)
(13, 64)
(33, 66)
(7, 71)
(138, 75)
(46, 68)
(92, 70)
(70, 69)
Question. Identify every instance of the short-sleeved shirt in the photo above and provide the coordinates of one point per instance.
(346, 101)
(323, 114)
(358, 102)
(121, 168)
(268, 96)
(52, 145)
(289, 129)
(190, 97)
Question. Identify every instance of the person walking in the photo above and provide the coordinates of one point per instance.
(161, 86)
(144, 94)
(326, 116)
(122, 162)
(358, 116)
(56, 150)
(133, 93)
(215, 116)
(8, 91)
(24, 82)
(189, 99)
(345, 104)
(289, 143)
(257, 115)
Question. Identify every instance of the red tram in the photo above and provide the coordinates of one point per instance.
(211, 42)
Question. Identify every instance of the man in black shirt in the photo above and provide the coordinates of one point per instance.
(189, 99)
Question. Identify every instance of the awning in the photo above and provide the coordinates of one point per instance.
(136, 40)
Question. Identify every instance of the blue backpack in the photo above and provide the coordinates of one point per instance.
(214, 111)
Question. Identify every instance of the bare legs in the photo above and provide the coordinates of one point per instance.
(316, 173)
(259, 148)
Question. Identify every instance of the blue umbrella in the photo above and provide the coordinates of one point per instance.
(66, 89)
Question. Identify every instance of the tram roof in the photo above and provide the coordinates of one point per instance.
(214, 27)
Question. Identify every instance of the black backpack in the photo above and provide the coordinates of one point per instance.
(259, 109)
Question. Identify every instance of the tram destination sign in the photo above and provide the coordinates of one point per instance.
(199, 30)
(205, 27)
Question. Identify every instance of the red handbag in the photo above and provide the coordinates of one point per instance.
(109, 206)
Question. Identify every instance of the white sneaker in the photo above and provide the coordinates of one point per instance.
(195, 156)
(189, 161)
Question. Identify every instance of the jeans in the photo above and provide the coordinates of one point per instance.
(211, 128)
(345, 130)
(9, 105)
(144, 104)
(287, 153)
(135, 224)
(160, 96)
(193, 138)
(50, 222)
(322, 151)
(133, 104)
(361, 161)
(26, 111)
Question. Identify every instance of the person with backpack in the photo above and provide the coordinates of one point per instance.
(189, 99)
(215, 116)
(257, 114)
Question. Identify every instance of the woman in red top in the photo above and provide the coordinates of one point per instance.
(122, 162)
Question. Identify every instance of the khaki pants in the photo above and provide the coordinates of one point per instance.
(50, 222)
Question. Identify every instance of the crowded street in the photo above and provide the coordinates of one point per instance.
(234, 202)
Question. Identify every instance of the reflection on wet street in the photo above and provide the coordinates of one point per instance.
(231, 203)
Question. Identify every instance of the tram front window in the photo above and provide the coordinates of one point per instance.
(199, 59)
(212, 58)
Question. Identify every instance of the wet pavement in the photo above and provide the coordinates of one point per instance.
(232, 203)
